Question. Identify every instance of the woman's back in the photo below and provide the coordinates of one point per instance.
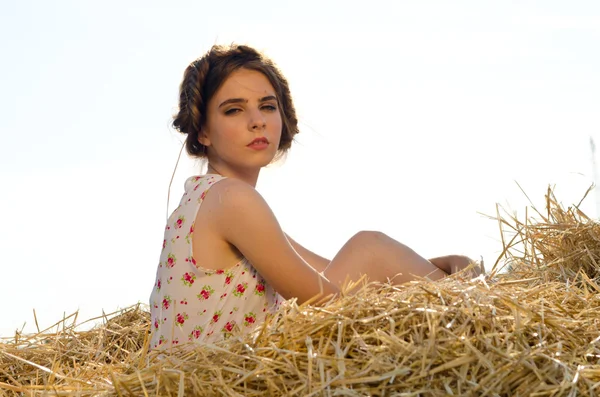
(194, 304)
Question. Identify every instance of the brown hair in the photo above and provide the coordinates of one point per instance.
(203, 77)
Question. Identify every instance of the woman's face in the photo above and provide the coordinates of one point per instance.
(243, 125)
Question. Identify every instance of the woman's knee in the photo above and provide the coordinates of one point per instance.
(362, 248)
(368, 238)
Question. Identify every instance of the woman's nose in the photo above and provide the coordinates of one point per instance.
(257, 120)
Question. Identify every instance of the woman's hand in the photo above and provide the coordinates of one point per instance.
(455, 263)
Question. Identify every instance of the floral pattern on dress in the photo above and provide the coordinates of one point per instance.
(206, 292)
(196, 332)
(240, 289)
(193, 304)
(228, 328)
(188, 279)
(249, 319)
(166, 303)
(180, 319)
(171, 260)
(216, 317)
(188, 237)
(260, 289)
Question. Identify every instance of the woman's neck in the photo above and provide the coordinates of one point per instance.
(250, 177)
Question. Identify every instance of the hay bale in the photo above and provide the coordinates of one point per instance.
(557, 244)
(531, 331)
(58, 362)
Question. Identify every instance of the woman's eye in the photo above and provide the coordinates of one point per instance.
(231, 111)
(270, 108)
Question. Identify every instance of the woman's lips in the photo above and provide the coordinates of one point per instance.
(259, 144)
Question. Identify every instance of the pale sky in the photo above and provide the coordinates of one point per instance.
(415, 118)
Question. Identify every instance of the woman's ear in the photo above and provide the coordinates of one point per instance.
(203, 137)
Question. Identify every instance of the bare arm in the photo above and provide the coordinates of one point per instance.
(242, 218)
(316, 261)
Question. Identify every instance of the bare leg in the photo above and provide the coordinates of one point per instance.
(380, 258)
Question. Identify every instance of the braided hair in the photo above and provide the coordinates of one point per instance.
(203, 77)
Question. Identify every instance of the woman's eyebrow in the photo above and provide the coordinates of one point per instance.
(232, 100)
(242, 100)
(268, 98)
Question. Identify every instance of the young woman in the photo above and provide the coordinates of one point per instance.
(226, 263)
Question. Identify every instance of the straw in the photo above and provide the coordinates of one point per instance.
(529, 331)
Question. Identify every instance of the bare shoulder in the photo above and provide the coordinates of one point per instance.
(232, 194)
(233, 207)
(221, 213)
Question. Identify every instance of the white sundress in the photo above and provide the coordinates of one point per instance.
(192, 304)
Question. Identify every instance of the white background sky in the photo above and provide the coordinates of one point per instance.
(416, 116)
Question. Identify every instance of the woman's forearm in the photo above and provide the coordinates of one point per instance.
(316, 261)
